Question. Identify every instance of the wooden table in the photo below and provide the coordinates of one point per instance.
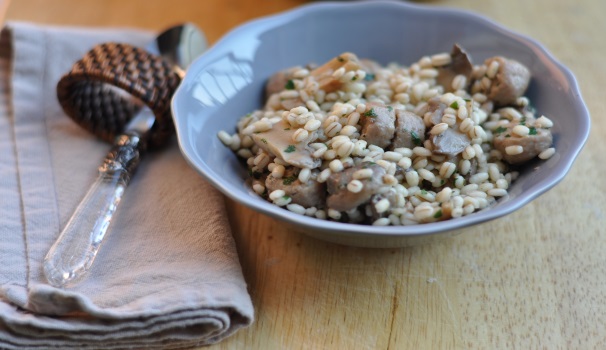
(535, 279)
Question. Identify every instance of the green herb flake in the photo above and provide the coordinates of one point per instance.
(290, 85)
(438, 214)
(355, 77)
(454, 105)
(500, 130)
(289, 180)
(248, 115)
(264, 141)
(290, 149)
(390, 108)
(286, 197)
(532, 130)
(370, 113)
(507, 135)
(415, 138)
(423, 192)
(369, 77)
(442, 182)
(286, 128)
(340, 59)
(523, 121)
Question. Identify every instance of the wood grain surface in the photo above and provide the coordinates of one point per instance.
(534, 279)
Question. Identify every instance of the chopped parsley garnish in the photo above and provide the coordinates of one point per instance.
(438, 214)
(248, 115)
(369, 77)
(454, 105)
(289, 180)
(290, 85)
(523, 121)
(532, 130)
(415, 138)
(500, 130)
(423, 192)
(286, 197)
(286, 128)
(390, 108)
(370, 113)
(355, 77)
(507, 135)
(289, 149)
(264, 141)
(340, 59)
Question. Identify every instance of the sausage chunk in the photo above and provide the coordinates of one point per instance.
(341, 198)
(410, 130)
(310, 194)
(510, 82)
(533, 144)
(378, 124)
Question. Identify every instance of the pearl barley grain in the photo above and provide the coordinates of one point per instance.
(514, 150)
(355, 186)
(548, 153)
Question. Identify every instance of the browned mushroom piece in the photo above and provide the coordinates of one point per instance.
(538, 140)
(309, 194)
(278, 142)
(280, 81)
(341, 198)
(410, 130)
(510, 82)
(390, 195)
(451, 142)
(324, 73)
(460, 65)
(436, 107)
(378, 124)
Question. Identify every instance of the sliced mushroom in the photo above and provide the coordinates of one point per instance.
(451, 142)
(390, 195)
(378, 124)
(278, 142)
(410, 130)
(280, 81)
(436, 107)
(460, 65)
(341, 198)
(324, 73)
(309, 194)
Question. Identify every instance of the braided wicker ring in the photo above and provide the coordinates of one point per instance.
(93, 92)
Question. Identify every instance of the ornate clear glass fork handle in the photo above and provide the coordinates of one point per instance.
(75, 249)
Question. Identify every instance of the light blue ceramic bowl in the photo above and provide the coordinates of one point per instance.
(227, 82)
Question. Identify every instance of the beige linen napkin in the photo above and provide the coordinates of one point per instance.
(167, 275)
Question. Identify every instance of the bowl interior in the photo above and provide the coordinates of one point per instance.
(227, 82)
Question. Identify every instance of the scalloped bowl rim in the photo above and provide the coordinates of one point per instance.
(267, 208)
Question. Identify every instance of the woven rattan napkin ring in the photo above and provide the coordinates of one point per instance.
(105, 88)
